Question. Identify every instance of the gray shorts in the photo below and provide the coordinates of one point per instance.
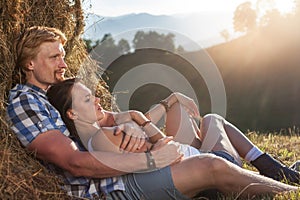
(154, 185)
(226, 156)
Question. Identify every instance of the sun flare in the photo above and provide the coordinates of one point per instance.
(285, 6)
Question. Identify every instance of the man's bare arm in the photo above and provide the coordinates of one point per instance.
(54, 147)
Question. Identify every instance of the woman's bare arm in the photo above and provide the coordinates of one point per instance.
(106, 139)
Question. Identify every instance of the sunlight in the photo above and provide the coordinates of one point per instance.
(285, 6)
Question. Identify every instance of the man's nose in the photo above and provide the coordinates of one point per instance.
(62, 63)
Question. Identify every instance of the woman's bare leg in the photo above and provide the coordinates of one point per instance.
(180, 125)
(211, 172)
(184, 129)
(238, 140)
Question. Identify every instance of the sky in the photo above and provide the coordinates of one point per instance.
(168, 7)
(209, 36)
(158, 7)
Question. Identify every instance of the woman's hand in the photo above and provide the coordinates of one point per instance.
(131, 115)
(133, 136)
(188, 103)
(138, 117)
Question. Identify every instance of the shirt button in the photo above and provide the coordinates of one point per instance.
(40, 125)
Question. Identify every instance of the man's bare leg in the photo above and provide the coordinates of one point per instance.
(211, 172)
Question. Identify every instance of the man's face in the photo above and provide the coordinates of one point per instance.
(48, 67)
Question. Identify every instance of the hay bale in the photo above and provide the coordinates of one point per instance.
(22, 176)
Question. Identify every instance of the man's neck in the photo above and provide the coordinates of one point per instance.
(44, 87)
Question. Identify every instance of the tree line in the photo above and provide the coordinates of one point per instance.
(260, 68)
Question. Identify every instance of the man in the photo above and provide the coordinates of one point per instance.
(39, 127)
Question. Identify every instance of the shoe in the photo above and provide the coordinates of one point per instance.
(271, 168)
(295, 166)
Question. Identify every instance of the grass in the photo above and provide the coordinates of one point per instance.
(22, 177)
(284, 146)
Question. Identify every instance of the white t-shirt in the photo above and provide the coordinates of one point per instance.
(187, 150)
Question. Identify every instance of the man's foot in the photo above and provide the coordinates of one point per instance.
(271, 168)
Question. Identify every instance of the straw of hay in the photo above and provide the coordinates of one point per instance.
(22, 176)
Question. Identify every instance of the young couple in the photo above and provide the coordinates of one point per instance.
(40, 128)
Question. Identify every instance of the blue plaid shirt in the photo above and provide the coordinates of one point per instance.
(31, 114)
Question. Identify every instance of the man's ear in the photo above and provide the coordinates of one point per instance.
(71, 114)
(30, 66)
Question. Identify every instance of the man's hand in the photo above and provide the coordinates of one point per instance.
(166, 152)
(133, 136)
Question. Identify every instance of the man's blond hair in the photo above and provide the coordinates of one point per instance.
(28, 43)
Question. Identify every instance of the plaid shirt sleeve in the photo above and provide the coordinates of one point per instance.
(30, 116)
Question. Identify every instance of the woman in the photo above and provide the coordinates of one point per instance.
(96, 128)
(190, 176)
(215, 134)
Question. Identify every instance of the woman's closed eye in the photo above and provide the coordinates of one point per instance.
(87, 98)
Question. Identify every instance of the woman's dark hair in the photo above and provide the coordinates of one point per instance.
(60, 96)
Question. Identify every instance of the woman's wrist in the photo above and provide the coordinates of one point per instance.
(169, 102)
(165, 104)
(139, 118)
(145, 123)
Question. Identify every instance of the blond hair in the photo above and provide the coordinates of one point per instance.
(28, 43)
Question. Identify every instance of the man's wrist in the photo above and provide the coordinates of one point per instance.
(150, 161)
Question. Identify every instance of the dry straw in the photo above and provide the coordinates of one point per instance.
(22, 177)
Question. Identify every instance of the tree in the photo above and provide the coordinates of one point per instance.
(297, 7)
(244, 19)
(180, 49)
(123, 46)
(262, 6)
(225, 34)
(106, 49)
(154, 39)
(271, 17)
(90, 44)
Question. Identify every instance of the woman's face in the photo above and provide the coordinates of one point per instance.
(85, 105)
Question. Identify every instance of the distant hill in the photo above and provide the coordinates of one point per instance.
(203, 28)
(260, 71)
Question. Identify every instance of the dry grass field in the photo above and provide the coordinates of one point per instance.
(22, 177)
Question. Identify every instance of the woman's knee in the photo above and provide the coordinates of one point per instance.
(210, 118)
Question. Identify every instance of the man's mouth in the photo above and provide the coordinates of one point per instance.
(61, 72)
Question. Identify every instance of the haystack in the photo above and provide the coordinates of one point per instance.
(22, 177)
